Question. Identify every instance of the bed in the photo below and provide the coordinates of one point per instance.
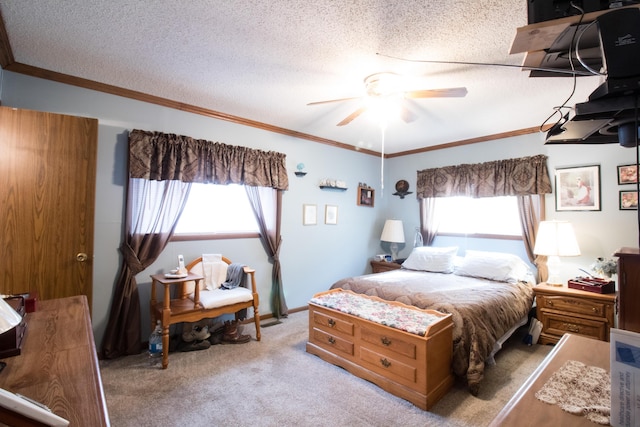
(488, 294)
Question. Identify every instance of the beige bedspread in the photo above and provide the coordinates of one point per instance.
(482, 310)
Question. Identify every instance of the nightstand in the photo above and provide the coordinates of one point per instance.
(380, 266)
(562, 310)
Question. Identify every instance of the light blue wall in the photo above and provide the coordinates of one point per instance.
(599, 233)
(312, 257)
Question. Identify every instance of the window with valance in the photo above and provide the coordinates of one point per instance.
(525, 177)
(162, 168)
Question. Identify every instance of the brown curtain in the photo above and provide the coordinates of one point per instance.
(510, 177)
(532, 211)
(161, 168)
(267, 207)
(153, 208)
(160, 156)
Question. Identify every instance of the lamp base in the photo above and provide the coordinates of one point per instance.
(394, 251)
(553, 264)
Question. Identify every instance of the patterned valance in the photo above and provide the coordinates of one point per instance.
(510, 177)
(164, 157)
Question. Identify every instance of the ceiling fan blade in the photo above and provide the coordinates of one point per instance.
(352, 116)
(454, 92)
(333, 100)
(407, 115)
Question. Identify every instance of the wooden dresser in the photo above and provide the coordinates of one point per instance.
(562, 310)
(524, 410)
(629, 288)
(58, 364)
(413, 367)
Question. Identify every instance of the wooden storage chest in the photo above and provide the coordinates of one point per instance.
(414, 367)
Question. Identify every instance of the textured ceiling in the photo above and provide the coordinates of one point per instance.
(266, 60)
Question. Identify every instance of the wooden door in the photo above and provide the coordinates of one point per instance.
(47, 202)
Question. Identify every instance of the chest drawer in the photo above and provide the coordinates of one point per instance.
(388, 341)
(389, 367)
(331, 342)
(557, 324)
(570, 304)
(330, 322)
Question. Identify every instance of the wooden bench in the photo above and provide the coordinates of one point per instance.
(415, 366)
(187, 306)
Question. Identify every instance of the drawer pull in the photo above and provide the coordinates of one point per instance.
(550, 303)
(385, 341)
(385, 362)
(331, 322)
(571, 327)
(331, 340)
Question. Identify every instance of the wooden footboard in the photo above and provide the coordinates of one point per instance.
(414, 367)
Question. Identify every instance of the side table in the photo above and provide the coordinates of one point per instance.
(562, 309)
(171, 311)
(380, 266)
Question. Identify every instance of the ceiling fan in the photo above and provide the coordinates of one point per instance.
(387, 86)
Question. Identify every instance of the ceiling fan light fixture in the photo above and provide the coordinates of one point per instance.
(382, 84)
(386, 88)
(383, 109)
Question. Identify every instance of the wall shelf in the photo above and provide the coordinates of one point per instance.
(330, 187)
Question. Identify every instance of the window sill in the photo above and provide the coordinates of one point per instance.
(213, 236)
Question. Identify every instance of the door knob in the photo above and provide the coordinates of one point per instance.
(82, 257)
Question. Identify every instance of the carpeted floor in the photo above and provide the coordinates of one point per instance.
(274, 382)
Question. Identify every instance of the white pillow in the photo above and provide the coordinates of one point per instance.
(214, 271)
(497, 266)
(429, 258)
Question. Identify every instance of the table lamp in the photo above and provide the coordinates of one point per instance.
(555, 239)
(393, 232)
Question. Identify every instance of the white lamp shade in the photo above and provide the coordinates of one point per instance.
(393, 231)
(9, 318)
(556, 238)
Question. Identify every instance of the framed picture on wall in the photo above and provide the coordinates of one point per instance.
(578, 188)
(627, 174)
(331, 214)
(366, 196)
(628, 200)
(309, 215)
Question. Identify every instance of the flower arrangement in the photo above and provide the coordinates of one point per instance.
(605, 266)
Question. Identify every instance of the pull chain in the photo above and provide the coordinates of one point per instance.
(383, 128)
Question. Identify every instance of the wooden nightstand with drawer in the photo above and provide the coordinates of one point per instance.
(381, 266)
(562, 310)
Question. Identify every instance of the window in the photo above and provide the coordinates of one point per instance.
(215, 210)
(497, 216)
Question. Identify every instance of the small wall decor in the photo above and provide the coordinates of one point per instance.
(300, 173)
(402, 189)
(333, 184)
(578, 188)
(309, 215)
(627, 174)
(366, 195)
(331, 214)
(628, 200)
